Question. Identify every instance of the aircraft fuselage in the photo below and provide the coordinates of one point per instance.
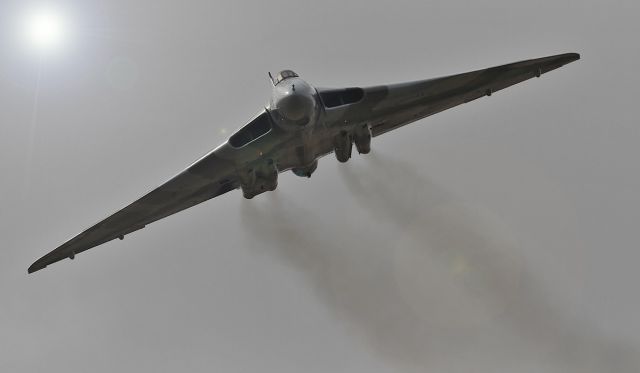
(290, 135)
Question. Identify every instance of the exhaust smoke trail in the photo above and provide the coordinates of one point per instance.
(449, 293)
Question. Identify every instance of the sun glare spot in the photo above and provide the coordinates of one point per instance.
(45, 29)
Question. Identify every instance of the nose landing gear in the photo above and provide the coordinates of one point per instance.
(305, 171)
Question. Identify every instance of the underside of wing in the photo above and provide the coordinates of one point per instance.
(391, 106)
(209, 177)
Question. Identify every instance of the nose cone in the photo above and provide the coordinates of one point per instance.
(293, 101)
(295, 107)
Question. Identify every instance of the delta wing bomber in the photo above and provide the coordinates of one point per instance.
(300, 124)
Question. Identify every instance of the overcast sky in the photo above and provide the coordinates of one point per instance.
(501, 235)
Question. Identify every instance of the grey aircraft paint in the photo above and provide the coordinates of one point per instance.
(299, 125)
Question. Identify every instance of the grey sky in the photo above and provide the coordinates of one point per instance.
(498, 236)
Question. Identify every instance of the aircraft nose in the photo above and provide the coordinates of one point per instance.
(293, 107)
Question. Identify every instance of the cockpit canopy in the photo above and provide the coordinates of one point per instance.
(284, 74)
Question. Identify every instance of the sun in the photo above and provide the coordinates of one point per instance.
(45, 29)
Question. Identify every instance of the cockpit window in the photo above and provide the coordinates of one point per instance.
(256, 128)
(284, 74)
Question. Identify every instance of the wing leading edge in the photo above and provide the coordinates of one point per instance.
(388, 107)
(207, 178)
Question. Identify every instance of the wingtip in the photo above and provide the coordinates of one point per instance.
(569, 57)
(35, 267)
(566, 58)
